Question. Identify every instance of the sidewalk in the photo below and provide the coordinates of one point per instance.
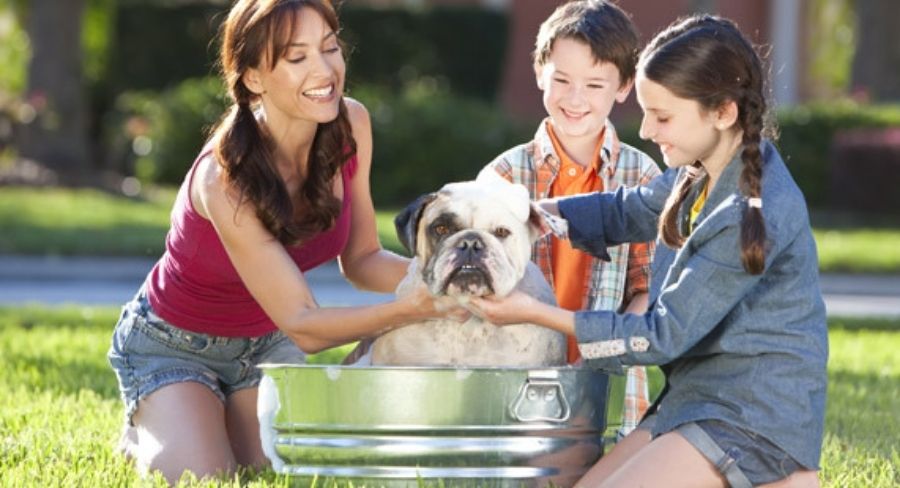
(112, 281)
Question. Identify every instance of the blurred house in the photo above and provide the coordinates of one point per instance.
(775, 24)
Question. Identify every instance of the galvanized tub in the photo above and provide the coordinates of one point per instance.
(400, 426)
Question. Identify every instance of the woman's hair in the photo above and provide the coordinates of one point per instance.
(256, 34)
(707, 59)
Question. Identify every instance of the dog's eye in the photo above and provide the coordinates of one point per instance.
(441, 230)
(501, 232)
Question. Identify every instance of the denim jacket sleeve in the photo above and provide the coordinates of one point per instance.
(599, 220)
(709, 284)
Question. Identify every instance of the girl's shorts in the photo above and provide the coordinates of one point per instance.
(744, 458)
(148, 353)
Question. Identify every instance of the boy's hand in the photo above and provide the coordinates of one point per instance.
(514, 309)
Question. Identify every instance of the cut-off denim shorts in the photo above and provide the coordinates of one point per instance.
(148, 353)
(744, 458)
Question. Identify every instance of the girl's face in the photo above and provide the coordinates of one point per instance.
(578, 91)
(306, 84)
(684, 131)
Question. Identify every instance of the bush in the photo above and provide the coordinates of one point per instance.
(156, 136)
(425, 136)
(462, 46)
(807, 135)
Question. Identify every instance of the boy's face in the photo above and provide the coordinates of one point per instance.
(578, 92)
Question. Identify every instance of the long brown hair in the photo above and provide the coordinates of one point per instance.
(707, 59)
(256, 34)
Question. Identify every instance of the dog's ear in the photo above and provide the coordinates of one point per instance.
(542, 222)
(406, 223)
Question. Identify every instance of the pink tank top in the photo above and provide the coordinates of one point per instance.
(194, 285)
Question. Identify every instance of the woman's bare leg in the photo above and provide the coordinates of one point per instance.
(243, 428)
(181, 427)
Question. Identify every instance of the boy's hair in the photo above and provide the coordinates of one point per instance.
(600, 24)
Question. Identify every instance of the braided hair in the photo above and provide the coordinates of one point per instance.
(706, 58)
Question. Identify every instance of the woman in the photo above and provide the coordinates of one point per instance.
(281, 187)
(736, 318)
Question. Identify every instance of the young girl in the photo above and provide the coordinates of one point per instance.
(281, 187)
(736, 318)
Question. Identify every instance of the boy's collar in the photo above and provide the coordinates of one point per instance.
(609, 153)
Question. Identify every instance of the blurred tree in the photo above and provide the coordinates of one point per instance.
(876, 63)
(57, 135)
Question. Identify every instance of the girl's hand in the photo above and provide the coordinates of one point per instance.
(516, 308)
(549, 205)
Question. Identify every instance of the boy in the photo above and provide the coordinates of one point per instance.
(584, 62)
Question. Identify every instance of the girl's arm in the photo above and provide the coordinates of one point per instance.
(711, 284)
(364, 262)
(603, 219)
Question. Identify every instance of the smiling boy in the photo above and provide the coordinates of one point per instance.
(584, 62)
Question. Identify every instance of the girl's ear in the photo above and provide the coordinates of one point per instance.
(252, 81)
(726, 115)
(538, 75)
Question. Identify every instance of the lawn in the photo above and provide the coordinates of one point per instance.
(88, 222)
(60, 413)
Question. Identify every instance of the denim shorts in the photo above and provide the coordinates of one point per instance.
(148, 353)
(744, 458)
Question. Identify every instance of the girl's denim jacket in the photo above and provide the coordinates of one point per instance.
(746, 349)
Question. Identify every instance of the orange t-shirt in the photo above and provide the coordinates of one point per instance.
(572, 267)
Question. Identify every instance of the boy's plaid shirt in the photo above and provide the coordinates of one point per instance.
(535, 165)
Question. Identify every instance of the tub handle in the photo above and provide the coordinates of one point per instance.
(535, 401)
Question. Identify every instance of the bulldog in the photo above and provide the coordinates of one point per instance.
(470, 239)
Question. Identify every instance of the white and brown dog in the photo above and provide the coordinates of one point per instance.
(472, 238)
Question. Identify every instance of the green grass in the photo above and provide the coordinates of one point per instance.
(60, 413)
(87, 222)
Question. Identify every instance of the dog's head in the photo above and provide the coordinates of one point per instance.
(472, 238)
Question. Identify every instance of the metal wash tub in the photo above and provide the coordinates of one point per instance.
(393, 426)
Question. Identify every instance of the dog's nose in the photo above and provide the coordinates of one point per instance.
(471, 245)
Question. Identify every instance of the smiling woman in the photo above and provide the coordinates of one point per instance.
(281, 187)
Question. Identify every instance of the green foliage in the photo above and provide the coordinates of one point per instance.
(60, 414)
(831, 43)
(162, 133)
(461, 46)
(14, 53)
(158, 44)
(807, 133)
(425, 137)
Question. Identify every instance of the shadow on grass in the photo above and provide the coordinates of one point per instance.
(863, 323)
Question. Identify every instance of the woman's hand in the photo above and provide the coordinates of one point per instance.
(431, 307)
(515, 308)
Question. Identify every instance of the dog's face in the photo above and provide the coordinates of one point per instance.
(471, 238)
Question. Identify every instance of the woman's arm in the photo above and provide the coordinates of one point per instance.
(276, 283)
(363, 261)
